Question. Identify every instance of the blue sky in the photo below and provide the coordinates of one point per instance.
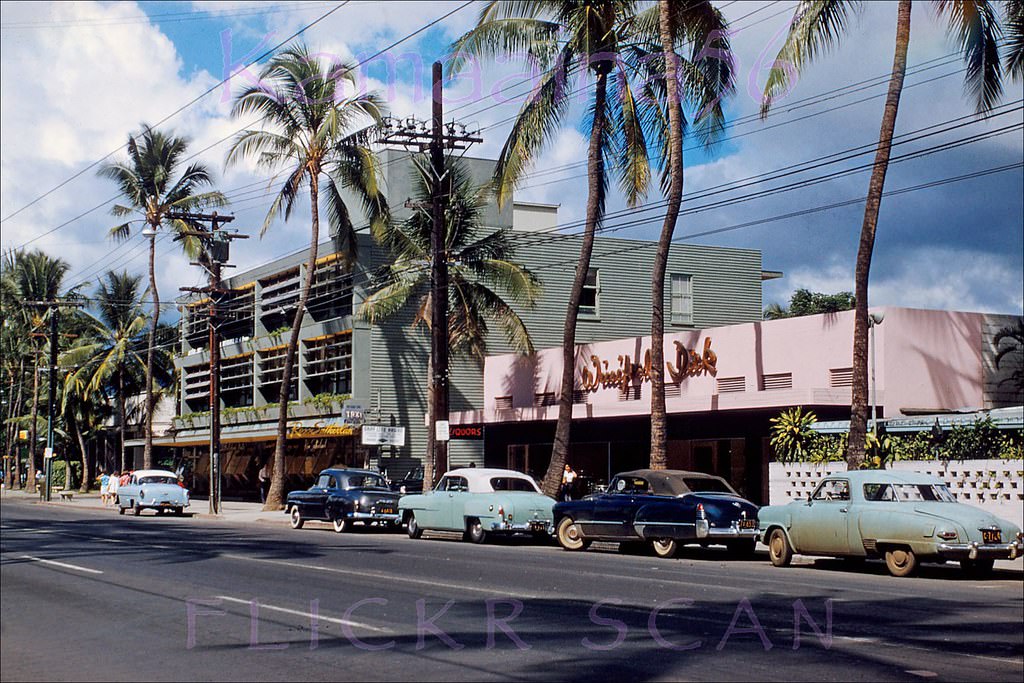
(956, 245)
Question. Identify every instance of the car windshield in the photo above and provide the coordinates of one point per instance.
(513, 484)
(908, 493)
(707, 485)
(359, 481)
(157, 479)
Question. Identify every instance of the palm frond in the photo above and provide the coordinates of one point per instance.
(975, 27)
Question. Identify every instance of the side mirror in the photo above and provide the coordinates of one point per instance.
(809, 501)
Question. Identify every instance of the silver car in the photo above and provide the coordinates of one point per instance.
(155, 489)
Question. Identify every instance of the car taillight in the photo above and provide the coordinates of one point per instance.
(700, 511)
(501, 511)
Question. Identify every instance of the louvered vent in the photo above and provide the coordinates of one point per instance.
(503, 403)
(673, 391)
(840, 377)
(729, 385)
(545, 399)
(781, 380)
(580, 396)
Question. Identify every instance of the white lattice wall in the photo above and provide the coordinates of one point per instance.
(996, 486)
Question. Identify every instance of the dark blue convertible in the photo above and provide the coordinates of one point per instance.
(666, 508)
(343, 497)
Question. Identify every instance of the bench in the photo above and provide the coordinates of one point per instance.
(67, 495)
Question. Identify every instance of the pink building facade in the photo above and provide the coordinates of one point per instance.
(727, 382)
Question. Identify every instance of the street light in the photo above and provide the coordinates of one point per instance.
(874, 320)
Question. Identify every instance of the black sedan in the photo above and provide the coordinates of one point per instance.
(344, 497)
(666, 508)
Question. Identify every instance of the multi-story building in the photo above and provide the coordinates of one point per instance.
(383, 367)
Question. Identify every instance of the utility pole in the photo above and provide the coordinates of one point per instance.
(51, 408)
(412, 133)
(216, 248)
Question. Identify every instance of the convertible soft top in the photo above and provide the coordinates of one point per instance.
(668, 482)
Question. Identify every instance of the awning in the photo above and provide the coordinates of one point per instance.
(307, 428)
(1002, 418)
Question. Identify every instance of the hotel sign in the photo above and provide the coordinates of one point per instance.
(320, 429)
(688, 363)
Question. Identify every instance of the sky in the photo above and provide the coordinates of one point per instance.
(77, 78)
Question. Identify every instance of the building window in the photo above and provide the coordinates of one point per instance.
(682, 299)
(591, 291)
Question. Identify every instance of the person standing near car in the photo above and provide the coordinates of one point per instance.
(264, 477)
(112, 486)
(568, 477)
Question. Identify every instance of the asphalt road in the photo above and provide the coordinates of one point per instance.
(89, 595)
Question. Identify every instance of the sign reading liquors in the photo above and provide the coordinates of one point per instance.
(467, 432)
(352, 412)
(379, 435)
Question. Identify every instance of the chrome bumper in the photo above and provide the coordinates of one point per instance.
(527, 526)
(373, 517)
(972, 551)
(705, 530)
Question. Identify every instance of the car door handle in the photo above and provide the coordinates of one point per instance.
(844, 509)
(451, 495)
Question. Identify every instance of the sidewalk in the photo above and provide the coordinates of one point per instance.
(231, 511)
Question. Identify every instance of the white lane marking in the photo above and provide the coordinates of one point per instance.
(63, 565)
(307, 615)
(905, 646)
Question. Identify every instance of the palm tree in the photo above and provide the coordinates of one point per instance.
(483, 281)
(1015, 334)
(108, 358)
(36, 277)
(568, 40)
(1014, 30)
(158, 187)
(313, 131)
(817, 26)
(14, 348)
(701, 81)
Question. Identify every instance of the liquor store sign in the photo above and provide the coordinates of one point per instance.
(599, 374)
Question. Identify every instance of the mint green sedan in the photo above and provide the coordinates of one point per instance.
(479, 502)
(904, 517)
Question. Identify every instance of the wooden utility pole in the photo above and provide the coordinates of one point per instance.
(216, 247)
(411, 133)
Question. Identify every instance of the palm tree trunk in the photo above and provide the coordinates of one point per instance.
(122, 418)
(595, 181)
(275, 494)
(147, 453)
(11, 472)
(859, 401)
(31, 464)
(16, 409)
(659, 457)
(86, 479)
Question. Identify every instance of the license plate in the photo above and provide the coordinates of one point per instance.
(748, 523)
(386, 511)
(990, 535)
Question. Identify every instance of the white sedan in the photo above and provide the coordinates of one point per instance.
(155, 489)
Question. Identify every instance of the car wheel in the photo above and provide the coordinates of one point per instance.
(741, 549)
(665, 547)
(779, 551)
(341, 525)
(977, 568)
(178, 512)
(569, 535)
(412, 528)
(475, 531)
(137, 510)
(900, 561)
(296, 518)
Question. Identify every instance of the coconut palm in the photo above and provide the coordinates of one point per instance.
(1015, 335)
(819, 25)
(36, 277)
(108, 357)
(568, 40)
(698, 82)
(313, 131)
(484, 282)
(156, 185)
(1014, 29)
